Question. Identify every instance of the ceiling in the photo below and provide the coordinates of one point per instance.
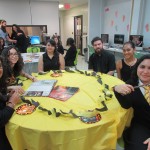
(73, 3)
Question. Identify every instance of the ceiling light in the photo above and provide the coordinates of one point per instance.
(61, 5)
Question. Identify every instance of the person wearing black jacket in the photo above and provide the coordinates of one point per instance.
(102, 60)
(132, 94)
(19, 35)
(7, 104)
(59, 46)
(1, 44)
(71, 52)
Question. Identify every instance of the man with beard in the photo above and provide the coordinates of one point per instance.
(101, 61)
(4, 34)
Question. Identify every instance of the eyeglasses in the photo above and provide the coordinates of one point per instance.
(15, 54)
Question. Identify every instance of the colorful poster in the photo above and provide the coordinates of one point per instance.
(106, 9)
(123, 18)
(147, 27)
(112, 23)
(116, 14)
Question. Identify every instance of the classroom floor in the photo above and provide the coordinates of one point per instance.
(82, 64)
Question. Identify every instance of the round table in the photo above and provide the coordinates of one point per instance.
(40, 131)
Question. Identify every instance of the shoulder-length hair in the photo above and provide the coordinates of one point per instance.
(70, 42)
(3, 82)
(59, 41)
(19, 64)
(1, 45)
(53, 43)
(17, 27)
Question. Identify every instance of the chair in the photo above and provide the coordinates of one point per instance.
(138, 55)
(91, 50)
(76, 59)
(33, 49)
(120, 144)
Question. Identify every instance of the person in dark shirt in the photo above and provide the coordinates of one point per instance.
(15, 68)
(7, 104)
(125, 66)
(1, 45)
(51, 59)
(137, 136)
(19, 35)
(101, 61)
(59, 46)
(71, 52)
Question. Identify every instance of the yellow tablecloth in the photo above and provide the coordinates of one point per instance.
(39, 131)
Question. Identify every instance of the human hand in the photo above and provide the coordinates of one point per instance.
(148, 143)
(34, 79)
(14, 99)
(14, 41)
(124, 89)
(19, 34)
(10, 92)
(18, 89)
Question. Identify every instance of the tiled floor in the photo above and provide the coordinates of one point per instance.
(82, 64)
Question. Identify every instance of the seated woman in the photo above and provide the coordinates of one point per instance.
(7, 103)
(125, 66)
(15, 67)
(19, 35)
(51, 59)
(1, 44)
(134, 94)
(59, 47)
(71, 52)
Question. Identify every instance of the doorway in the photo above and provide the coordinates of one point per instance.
(78, 25)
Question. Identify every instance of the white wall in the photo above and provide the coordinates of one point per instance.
(67, 21)
(146, 24)
(117, 14)
(15, 12)
(95, 19)
(46, 13)
(34, 13)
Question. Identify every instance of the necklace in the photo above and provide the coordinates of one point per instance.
(131, 63)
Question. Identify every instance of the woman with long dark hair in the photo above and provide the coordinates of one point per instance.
(19, 35)
(1, 44)
(15, 65)
(7, 104)
(71, 52)
(59, 46)
(51, 59)
(136, 94)
(125, 66)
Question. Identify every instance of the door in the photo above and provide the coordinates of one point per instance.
(78, 25)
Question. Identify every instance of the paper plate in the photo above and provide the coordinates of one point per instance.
(25, 109)
(56, 74)
(90, 120)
